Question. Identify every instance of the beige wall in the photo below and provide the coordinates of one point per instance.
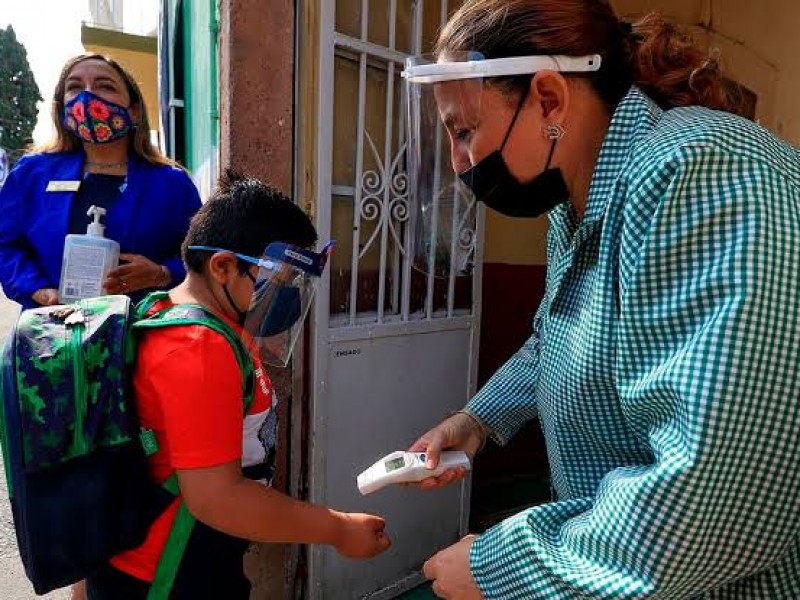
(515, 241)
(760, 45)
(144, 69)
(683, 11)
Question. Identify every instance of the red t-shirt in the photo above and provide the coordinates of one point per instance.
(188, 389)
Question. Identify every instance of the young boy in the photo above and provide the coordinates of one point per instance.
(188, 389)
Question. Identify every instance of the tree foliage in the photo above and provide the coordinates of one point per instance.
(18, 96)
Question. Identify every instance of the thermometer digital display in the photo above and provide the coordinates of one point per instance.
(407, 467)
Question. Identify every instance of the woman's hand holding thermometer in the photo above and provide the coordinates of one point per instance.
(440, 457)
(457, 432)
(408, 467)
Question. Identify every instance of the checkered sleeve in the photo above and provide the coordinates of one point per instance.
(706, 362)
(508, 399)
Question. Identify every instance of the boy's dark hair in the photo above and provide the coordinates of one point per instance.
(244, 215)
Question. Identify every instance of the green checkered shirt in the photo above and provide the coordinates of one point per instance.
(663, 368)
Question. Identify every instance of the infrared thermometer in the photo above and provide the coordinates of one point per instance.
(407, 467)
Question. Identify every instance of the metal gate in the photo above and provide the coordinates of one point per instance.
(393, 350)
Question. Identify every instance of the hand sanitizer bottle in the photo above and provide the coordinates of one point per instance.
(87, 259)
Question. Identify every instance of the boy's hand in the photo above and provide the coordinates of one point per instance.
(361, 536)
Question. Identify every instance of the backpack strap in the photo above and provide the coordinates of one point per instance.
(194, 314)
(149, 301)
(175, 546)
(182, 526)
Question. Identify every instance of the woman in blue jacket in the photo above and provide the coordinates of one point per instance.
(100, 155)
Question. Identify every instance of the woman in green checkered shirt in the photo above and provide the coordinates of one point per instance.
(663, 358)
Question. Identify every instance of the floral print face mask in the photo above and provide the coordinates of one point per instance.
(95, 120)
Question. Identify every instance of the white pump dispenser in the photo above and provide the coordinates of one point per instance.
(87, 259)
(96, 228)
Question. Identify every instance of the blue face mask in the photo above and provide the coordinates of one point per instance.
(95, 120)
(284, 311)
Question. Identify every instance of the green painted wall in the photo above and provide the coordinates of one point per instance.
(200, 76)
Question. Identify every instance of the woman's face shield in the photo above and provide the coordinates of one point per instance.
(445, 103)
(284, 288)
(441, 116)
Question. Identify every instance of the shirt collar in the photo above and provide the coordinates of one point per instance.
(634, 117)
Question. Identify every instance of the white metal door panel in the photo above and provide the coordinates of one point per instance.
(372, 410)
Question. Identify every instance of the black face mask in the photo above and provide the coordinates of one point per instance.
(494, 185)
(241, 315)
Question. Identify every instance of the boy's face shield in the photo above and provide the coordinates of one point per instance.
(444, 98)
(282, 294)
(283, 291)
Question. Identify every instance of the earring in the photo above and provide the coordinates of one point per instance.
(554, 131)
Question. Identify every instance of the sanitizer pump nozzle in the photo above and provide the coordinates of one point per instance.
(86, 260)
(96, 228)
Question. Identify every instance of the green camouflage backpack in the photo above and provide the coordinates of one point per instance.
(75, 456)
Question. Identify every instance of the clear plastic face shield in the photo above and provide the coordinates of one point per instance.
(284, 288)
(445, 106)
(283, 291)
(443, 208)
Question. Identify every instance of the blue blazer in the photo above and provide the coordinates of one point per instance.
(151, 218)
